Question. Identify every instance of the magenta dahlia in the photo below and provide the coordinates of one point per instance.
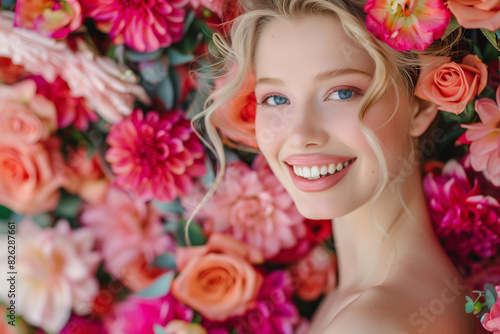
(143, 25)
(155, 156)
(466, 221)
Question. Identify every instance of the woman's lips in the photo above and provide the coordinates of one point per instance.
(321, 184)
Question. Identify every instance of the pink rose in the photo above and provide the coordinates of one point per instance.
(491, 321)
(450, 85)
(30, 176)
(315, 274)
(473, 14)
(54, 19)
(217, 279)
(25, 117)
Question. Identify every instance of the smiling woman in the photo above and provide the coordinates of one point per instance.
(338, 122)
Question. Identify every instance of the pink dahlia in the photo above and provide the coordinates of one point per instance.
(485, 138)
(70, 110)
(252, 205)
(142, 25)
(155, 155)
(128, 231)
(139, 315)
(407, 24)
(466, 221)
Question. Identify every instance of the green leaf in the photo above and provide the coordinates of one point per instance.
(469, 306)
(490, 298)
(491, 37)
(189, 20)
(139, 56)
(5, 213)
(166, 93)
(165, 261)
(177, 58)
(158, 288)
(170, 207)
(195, 232)
(452, 26)
(158, 329)
(68, 206)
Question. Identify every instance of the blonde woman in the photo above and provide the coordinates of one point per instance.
(338, 122)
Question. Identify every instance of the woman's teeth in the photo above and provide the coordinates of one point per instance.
(315, 172)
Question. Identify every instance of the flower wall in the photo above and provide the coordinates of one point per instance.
(100, 169)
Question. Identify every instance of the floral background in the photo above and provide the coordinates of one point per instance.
(100, 169)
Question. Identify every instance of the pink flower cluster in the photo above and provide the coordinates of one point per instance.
(252, 205)
(466, 221)
(155, 156)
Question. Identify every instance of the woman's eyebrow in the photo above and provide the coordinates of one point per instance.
(327, 75)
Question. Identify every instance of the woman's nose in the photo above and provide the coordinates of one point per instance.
(306, 127)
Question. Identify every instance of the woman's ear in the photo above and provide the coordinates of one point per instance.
(423, 113)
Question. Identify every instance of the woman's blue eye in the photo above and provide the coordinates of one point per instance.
(342, 94)
(276, 100)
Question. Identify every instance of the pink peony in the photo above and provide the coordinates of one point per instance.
(216, 6)
(52, 18)
(466, 221)
(315, 274)
(407, 24)
(253, 206)
(491, 320)
(144, 26)
(139, 315)
(30, 176)
(484, 135)
(70, 110)
(127, 230)
(154, 155)
(56, 273)
(25, 117)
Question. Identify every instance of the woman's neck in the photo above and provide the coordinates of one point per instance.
(367, 243)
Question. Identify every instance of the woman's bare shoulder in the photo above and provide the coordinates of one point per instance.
(405, 305)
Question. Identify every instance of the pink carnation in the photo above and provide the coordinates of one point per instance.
(128, 230)
(485, 138)
(70, 110)
(408, 24)
(252, 205)
(144, 26)
(466, 221)
(139, 315)
(57, 274)
(155, 155)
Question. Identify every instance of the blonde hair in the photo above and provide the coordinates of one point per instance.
(392, 68)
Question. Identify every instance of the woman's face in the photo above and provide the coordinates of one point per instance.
(311, 80)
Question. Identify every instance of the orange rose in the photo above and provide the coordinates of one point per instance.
(473, 14)
(30, 176)
(450, 85)
(236, 121)
(25, 117)
(217, 278)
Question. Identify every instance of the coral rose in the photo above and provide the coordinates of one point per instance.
(450, 85)
(316, 274)
(25, 117)
(236, 120)
(30, 176)
(217, 278)
(473, 14)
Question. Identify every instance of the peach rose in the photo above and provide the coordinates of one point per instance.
(30, 176)
(217, 279)
(315, 274)
(450, 85)
(25, 117)
(236, 120)
(473, 14)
